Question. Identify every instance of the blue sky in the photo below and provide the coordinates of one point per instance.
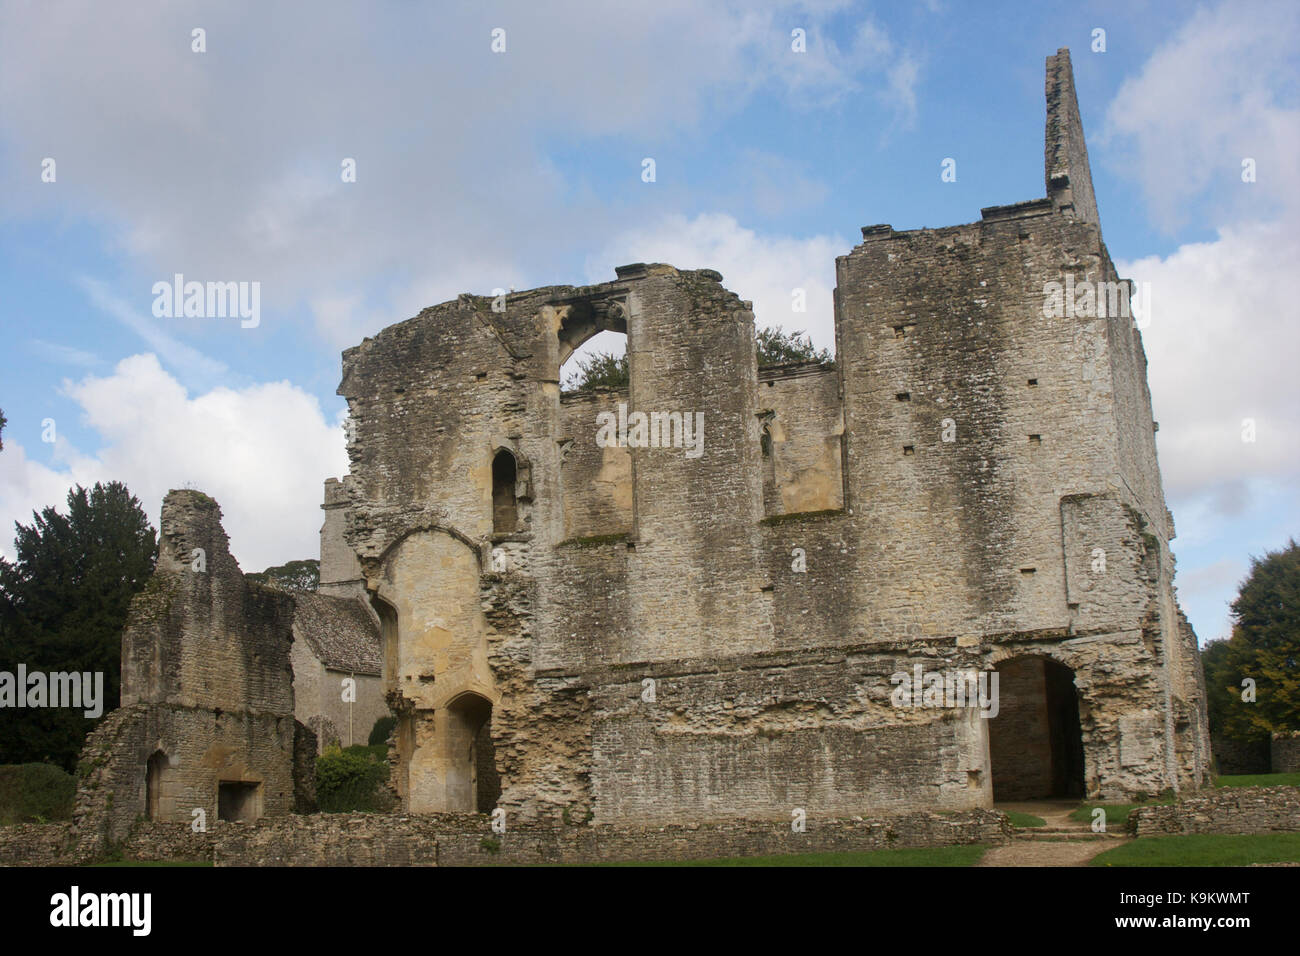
(478, 170)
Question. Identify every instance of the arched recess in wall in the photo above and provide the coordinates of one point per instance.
(505, 504)
(157, 780)
(473, 781)
(1035, 741)
(767, 452)
(387, 637)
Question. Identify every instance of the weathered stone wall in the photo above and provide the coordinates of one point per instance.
(340, 571)
(596, 480)
(467, 840)
(1233, 756)
(1222, 810)
(1284, 753)
(207, 691)
(799, 409)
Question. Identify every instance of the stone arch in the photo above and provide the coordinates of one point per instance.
(1036, 741)
(472, 781)
(428, 596)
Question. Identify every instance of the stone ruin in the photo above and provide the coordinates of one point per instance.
(639, 631)
(585, 618)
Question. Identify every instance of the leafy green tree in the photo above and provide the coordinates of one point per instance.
(777, 347)
(301, 575)
(63, 603)
(1264, 647)
(601, 370)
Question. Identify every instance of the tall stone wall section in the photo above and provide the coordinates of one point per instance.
(207, 692)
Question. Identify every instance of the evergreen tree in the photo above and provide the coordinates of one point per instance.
(63, 604)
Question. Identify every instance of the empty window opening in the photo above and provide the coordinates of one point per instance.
(904, 396)
(238, 800)
(505, 513)
(909, 449)
(900, 331)
(1028, 570)
(1035, 439)
(1033, 381)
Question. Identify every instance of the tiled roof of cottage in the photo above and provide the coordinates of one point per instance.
(339, 631)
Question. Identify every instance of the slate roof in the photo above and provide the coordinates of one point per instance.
(339, 631)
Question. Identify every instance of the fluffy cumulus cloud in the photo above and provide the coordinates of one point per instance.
(261, 451)
(1221, 343)
(1214, 95)
(1222, 332)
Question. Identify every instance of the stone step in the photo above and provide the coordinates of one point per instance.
(1072, 836)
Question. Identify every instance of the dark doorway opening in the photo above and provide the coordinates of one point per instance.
(237, 800)
(505, 515)
(1035, 741)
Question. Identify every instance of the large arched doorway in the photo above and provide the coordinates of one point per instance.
(1035, 743)
(473, 784)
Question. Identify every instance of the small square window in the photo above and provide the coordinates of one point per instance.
(1035, 439)
(909, 449)
(1033, 381)
(904, 396)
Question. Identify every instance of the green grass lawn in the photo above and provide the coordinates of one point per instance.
(1204, 849)
(1116, 813)
(926, 856)
(1019, 819)
(1259, 780)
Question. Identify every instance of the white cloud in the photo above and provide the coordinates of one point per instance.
(1221, 347)
(225, 165)
(762, 268)
(261, 451)
(1205, 100)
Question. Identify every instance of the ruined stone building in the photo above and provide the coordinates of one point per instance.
(628, 630)
(697, 598)
(214, 670)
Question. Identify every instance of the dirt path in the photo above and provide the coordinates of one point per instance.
(1061, 842)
